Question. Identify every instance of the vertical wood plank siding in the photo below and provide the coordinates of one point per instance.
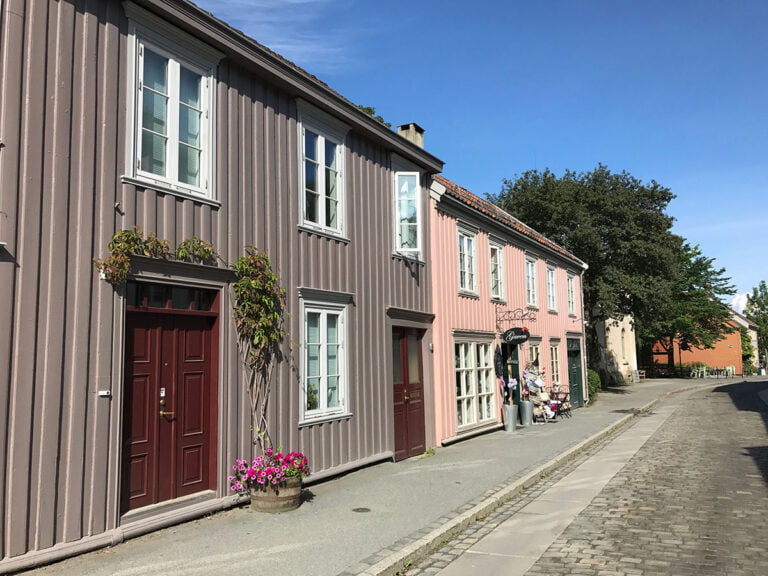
(63, 124)
(457, 313)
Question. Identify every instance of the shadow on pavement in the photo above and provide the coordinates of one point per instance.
(746, 396)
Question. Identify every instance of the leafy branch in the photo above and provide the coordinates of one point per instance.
(258, 309)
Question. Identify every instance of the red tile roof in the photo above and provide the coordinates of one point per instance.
(494, 212)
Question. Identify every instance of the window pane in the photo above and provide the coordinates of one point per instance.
(330, 155)
(413, 358)
(180, 298)
(408, 237)
(397, 366)
(313, 328)
(153, 153)
(310, 175)
(313, 393)
(331, 202)
(331, 213)
(189, 90)
(313, 360)
(332, 330)
(333, 391)
(155, 112)
(406, 187)
(155, 72)
(333, 360)
(189, 165)
(310, 145)
(189, 126)
(310, 207)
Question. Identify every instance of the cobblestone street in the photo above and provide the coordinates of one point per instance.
(692, 500)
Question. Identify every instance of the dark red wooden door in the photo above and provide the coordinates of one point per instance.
(408, 388)
(169, 408)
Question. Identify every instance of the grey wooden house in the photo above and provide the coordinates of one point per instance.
(122, 408)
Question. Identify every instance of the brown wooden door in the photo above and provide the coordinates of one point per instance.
(408, 385)
(169, 408)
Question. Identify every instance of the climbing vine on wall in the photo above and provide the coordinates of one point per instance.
(259, 309)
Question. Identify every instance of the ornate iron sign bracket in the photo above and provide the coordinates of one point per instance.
(513, 316)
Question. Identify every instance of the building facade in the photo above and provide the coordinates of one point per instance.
(492, 273)
(123, 407)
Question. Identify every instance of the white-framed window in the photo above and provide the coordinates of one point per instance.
(554, 361)
(322, 152)
(571, 295)
(496, 265)
(467, 277)
(534, 351)
(531, 293)
(407, 214)
(324, 362)
(172, 86)
(475, 391)
(551, 288)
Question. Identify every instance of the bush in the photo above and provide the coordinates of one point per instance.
(593, 385)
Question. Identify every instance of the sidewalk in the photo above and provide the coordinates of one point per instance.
(372, 521)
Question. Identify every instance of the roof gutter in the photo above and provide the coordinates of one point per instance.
(289, 77)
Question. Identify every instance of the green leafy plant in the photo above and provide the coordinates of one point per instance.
(258, 309)
(196, 250)
(124, 244)
(593, 384)
(131, 242)
(154, 247)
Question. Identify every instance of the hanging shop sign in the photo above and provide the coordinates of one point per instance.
(515, 336)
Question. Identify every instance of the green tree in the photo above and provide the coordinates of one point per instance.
(695, 315)
(616, 224)
(757, 311)
(371, 111)
(747, 352)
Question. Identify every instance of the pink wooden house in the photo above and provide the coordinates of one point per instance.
(491, 273)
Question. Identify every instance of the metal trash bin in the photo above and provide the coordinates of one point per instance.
(526, 413)
(510, 417)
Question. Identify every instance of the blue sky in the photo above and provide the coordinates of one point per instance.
(673, 91)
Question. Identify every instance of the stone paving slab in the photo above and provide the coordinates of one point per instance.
(692, 500)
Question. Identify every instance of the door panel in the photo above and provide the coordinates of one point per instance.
(575, 382)
(170, 407)
(408, 393)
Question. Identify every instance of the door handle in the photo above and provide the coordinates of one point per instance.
(166, 413)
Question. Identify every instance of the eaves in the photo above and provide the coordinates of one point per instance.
(286, 75)
(457, 209)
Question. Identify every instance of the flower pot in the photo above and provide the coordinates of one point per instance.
(526, 413)
(284, 497)
(510, 417)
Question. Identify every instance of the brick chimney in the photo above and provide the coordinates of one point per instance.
(412, 132)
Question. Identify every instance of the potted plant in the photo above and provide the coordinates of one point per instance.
(273, 480)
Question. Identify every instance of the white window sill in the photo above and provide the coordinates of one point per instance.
(325, 418)
(325, 233)
(468, 294)
(416, 258)
(163, 189)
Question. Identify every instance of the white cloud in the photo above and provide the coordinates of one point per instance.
(298, 30)
(739, 301)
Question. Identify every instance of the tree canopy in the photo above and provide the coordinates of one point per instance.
(614, 222)
(695, 316)
(619, 226)
(757, 311)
